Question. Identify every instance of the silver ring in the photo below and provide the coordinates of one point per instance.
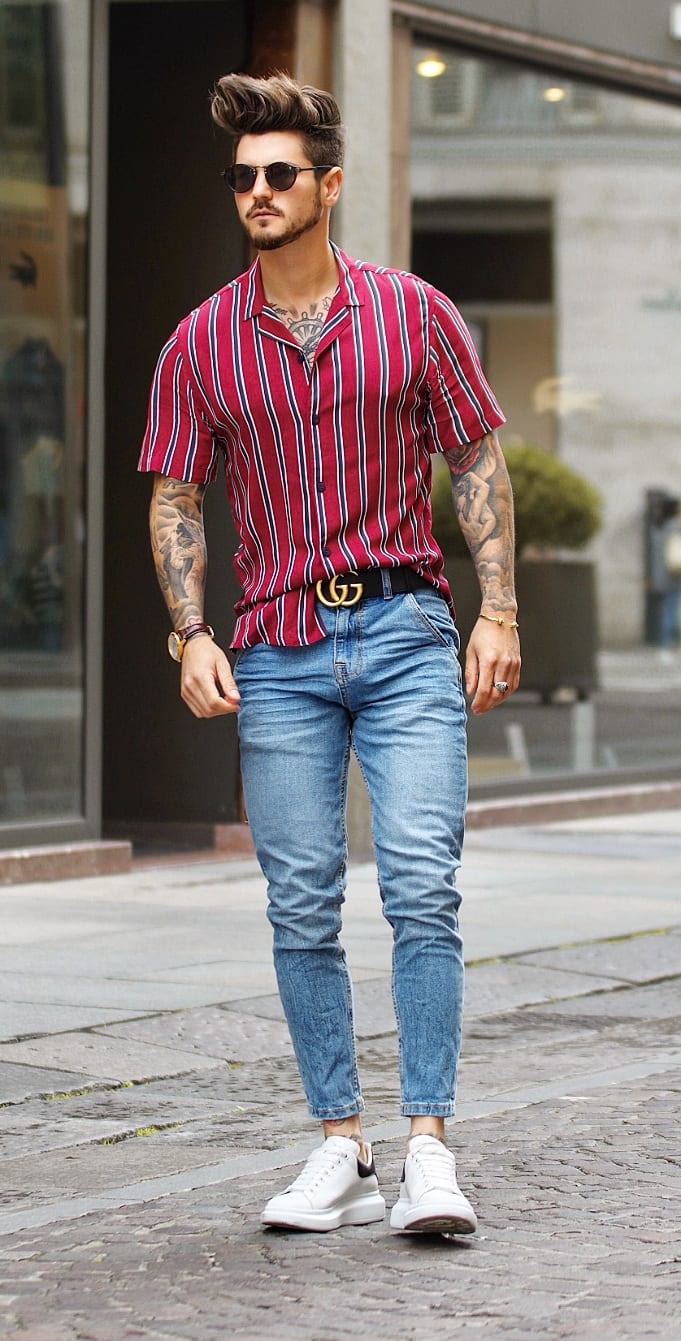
(501, 686)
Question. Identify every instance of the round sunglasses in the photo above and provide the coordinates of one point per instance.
(280, 176)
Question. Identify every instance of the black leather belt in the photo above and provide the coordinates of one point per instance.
(349, 588)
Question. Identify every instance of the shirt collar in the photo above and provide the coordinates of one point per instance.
(347, 296)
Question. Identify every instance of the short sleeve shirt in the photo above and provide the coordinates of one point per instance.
(328, 464)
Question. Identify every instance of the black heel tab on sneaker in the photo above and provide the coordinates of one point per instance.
(366, 1170)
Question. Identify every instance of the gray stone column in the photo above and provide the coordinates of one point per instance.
(362, 221)
(362, 84)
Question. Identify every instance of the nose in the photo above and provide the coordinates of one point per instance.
(261, 185)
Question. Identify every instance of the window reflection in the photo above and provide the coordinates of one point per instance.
(549, 209)
(43, 201)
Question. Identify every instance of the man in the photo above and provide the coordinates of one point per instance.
(326, 383)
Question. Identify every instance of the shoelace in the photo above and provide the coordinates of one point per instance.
(436, 1165)
(319, 1166)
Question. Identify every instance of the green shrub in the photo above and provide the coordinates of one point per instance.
(555, 507)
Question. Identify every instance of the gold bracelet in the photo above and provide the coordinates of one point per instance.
(494, 619)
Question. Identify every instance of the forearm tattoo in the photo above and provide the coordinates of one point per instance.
(483, 503)
(178, 545)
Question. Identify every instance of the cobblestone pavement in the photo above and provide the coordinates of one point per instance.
(138, 1146)
(578, 1237)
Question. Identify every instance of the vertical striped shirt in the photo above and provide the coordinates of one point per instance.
(327, 466)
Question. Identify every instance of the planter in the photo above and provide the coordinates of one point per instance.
(557, 618)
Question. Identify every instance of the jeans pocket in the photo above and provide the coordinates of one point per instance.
(433, 615)
(240, 658)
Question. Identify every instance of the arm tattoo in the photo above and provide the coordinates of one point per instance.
(483, 503)
(178, 545)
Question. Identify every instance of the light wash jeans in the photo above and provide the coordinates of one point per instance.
(386, 682)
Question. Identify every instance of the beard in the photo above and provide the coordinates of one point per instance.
(268, 242)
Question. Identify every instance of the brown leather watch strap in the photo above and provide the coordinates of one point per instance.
(177, 641)
(192, 630)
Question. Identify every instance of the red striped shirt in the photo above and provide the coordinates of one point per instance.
(327, 467)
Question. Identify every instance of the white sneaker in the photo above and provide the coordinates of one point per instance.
(430, 1197)
(335, 1188)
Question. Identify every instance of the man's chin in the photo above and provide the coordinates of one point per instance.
(264, 237)
(263, 242)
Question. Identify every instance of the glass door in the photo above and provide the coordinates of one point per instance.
(44, 85)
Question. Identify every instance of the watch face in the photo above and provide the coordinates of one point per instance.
(175, 646)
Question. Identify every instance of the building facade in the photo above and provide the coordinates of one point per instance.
(524, 157)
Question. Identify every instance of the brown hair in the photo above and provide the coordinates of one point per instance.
(246, 105)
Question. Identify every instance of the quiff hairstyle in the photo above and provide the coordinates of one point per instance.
(246, 105)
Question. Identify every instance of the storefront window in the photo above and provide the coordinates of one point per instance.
(549, 209)
(43, 216)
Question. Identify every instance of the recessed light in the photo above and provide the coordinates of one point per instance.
(430, 67)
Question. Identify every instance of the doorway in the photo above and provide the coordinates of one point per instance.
(173, 239)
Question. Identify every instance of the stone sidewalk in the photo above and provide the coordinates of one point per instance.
(149, 1104)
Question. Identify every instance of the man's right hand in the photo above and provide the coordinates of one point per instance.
(206, 681)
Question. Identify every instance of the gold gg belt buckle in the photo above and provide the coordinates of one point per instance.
(338, 591)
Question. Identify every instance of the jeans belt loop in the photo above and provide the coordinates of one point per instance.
(387, 584)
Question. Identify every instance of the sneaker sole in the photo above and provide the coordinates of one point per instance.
(364, 1211)
(431, 1222)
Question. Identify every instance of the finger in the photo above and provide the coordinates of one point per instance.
(204, 699)
(484, 693)
(504, 681)
(472, 671)
(225, 683)
(483, 701)
(207, 683)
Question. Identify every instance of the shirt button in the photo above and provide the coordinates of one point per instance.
(301, 358)
(320, 487)
(326, 551)
(315, 419)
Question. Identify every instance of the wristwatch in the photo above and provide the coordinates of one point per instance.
(178, 640)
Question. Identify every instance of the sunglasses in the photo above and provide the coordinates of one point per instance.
(280, 176)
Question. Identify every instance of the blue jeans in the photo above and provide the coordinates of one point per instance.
(386, 682)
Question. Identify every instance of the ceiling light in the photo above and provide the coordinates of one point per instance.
(554, 94)
(431, 66)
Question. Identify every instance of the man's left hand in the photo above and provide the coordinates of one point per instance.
(492, 657)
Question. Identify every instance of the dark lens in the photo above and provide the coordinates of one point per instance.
(281, 176)
(240, 177)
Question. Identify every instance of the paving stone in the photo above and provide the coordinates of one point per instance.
(229, 981)
(118, 993)
(269, 1006)
(19, 1082)
(373, 1006)
(25, 1019)
(220, 1108)
(228, 1034)
(635, 959)
(110, 1058)
(659, 1001)
(502, 986)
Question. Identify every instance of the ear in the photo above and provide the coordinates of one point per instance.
(331, 186)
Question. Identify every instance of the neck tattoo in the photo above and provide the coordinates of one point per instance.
(305, 326)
